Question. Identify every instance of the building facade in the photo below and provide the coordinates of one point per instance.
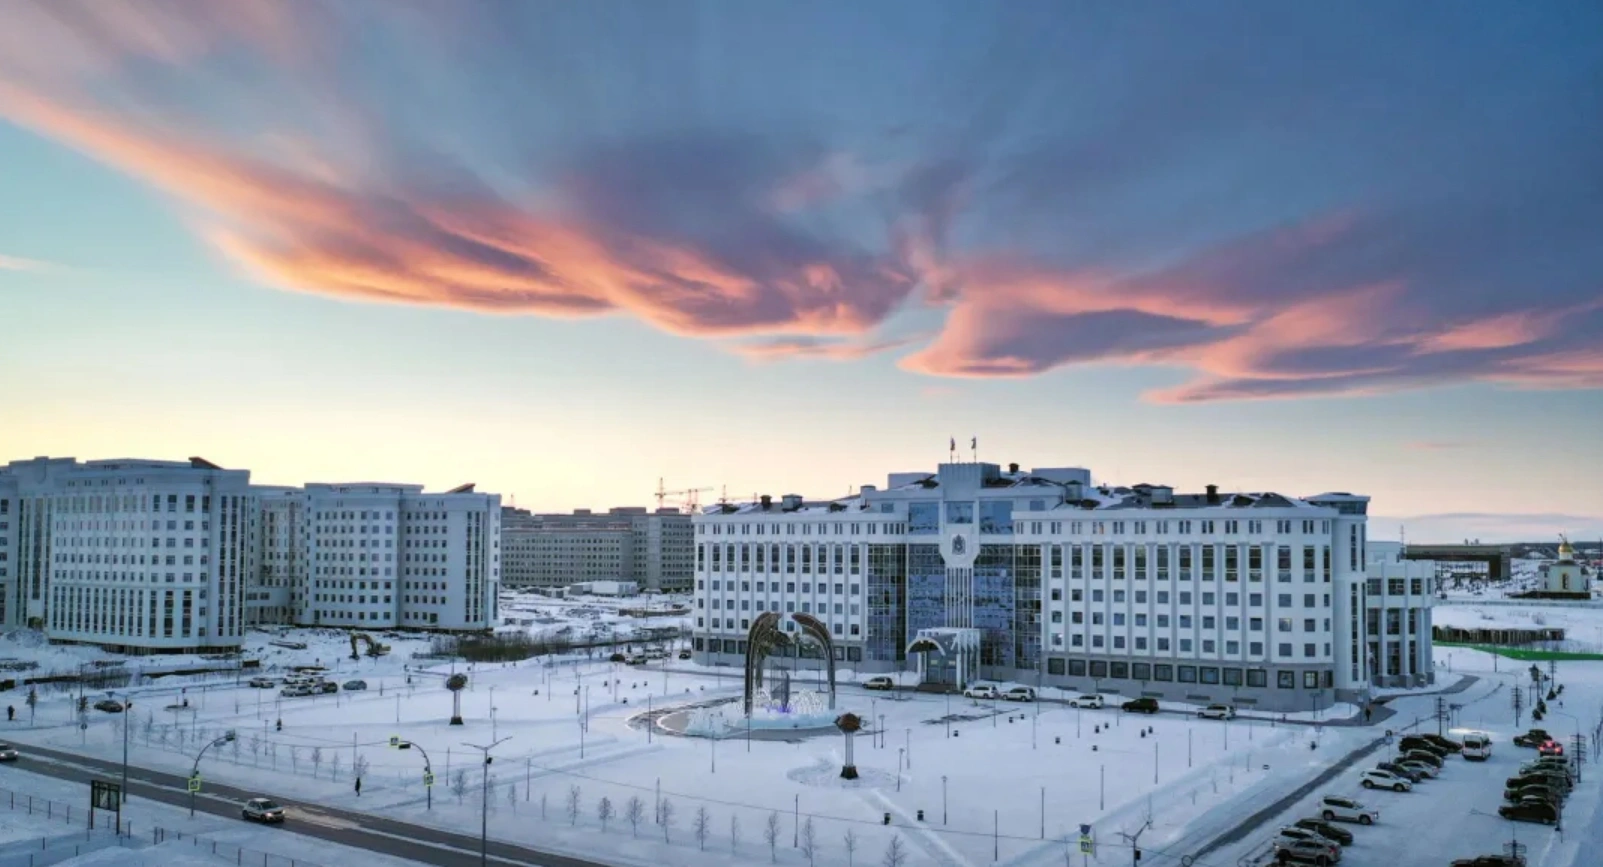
(655, 550)
(164, 556)
(1566, 575)
(1396, 628)
(1040, 577)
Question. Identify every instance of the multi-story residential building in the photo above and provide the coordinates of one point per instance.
(976, 571)
(129, 554)
(1396, 627)
(653, 549)
(167, 556)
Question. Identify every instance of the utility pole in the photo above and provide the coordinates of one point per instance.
(1135, 841)
(484, 797)
(1441, 714)
(1518, 693)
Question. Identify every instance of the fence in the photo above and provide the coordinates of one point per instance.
(240, 855)
(32, 805)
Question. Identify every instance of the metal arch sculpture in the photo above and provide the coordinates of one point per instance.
(763, 638)
(817, 631)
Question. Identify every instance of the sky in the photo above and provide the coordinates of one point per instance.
(564, 250)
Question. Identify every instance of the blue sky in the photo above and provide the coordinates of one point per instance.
(566, 249)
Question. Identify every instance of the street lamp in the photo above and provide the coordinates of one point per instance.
(484, 798)
(428, 771)
(943, 799)
(194, 770)
(126, 721)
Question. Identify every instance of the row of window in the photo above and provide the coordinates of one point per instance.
(1163, 672)
(995, 517)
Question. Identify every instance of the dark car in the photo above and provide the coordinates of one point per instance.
(327, 686)
(1140, 705)
(1532, 738)
(1445, 743)
(109, 705)
(1491, 861)
(1415, 742)
(1523, 793)
(1411, 775)
(616, 657)
(1548, 765)
(684, 654)
(1425, 756)
(1538, 778)
(1532, 810)
(1325, 829)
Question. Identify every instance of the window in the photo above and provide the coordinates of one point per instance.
(1286, 679)
(959, 513)
(1163, 672)
(1309, 651)
(1257, 677)
(1255, 624)
(1141, 670)
(1208, 675)
(1188, 674)
(1310, 680)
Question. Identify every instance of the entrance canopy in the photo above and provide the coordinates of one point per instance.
(946, 655)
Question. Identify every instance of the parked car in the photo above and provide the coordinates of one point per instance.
(656, 654)
(1530, 810)
(1551, 765)
(1140, 705)
(1325, 829)
(1424, 769)
(1292, 832)
(1019, 693)
(1385, 780)
(1533, 791)
(1303, 852)
(263, 810)
(617, 657)
(1425, 756)
(1339, 808)
(262, 683)
(1417, 742)
(355, 685)
(1550, 748)
(1538, 778)
(684, 654)
(326, 686)
(636, 659)
(1334, 808)
(1532, 738)
(8, 753)
(1413, 776)
(1491, 861)
(109, 705)
(1445, 743)
(294, 691)
(1090, 701)
(879, 683)
(982, 691)
(1217, 711)
(1477, 747)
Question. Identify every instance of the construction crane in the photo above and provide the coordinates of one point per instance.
(691, 501)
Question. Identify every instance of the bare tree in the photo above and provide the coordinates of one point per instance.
(255, 749)
(573, 805)
(233, 747)
(895, 853)
(666, 812)
(490, 785)
(334, 768)
(512, 796)
(701, 825)
(542, 806)
(850, 842)
(317, 760)
(359, 766)
(459, 784)
(809, 840)
(633, 812)
(178, 737)
(734, 833)
(150, 727)
(771, 836)
(295, 759)
(272, 753)
(604, 812)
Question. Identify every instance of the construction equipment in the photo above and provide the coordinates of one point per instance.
(691, 501)
(374, 648)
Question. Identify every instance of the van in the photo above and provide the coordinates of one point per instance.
(1477, 747)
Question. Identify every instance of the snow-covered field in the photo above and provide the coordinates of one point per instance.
(996, 782)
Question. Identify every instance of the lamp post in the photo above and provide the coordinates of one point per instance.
(900, 753)
(943, 799)
(126, 721)
(484, 798)
(428, 771)
(194, 770)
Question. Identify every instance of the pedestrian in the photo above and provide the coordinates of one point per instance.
(1368, 714)
(358, 787)
(11, 712)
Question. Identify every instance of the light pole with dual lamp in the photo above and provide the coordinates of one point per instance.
(484, 797)
(194, 770)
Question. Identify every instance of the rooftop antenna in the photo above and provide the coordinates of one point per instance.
(952, 456)
(974, 448)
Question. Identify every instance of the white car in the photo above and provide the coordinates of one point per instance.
(1091, 701)
(8, 753)
(1424, 769)
(981, 692)
(1338, 809)
(1290, 834)
(1217, 711)
(1378, 779)
(1477, 747)
(1019, 693)
(881, 683)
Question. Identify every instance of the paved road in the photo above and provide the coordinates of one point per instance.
(361, 830)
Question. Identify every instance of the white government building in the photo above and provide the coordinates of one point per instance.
(171, 556)
(977, 571)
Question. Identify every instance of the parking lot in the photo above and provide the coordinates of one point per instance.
(1451, 816)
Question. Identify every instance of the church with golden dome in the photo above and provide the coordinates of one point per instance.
(1565, 575)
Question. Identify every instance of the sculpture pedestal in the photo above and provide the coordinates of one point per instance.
(849, 772)
(456, 720)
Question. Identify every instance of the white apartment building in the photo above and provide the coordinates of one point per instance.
(975, 571)
(652, 549)
(1396, 601)
(128, 554)
(164, 556)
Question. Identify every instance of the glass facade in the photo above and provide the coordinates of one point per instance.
(1027, 605)
(924, 518)
(994, 603)
(959, 513)
(887, 599)
(996, 517)
(926, 588)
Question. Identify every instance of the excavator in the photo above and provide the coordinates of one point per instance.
(373, 647)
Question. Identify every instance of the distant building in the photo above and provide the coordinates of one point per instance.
(1040, 577)
(180, 556)
(1565, 574)
(1397, 601)
(602, 588)
(655, 550)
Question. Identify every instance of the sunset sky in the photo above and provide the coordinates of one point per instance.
(564, 249)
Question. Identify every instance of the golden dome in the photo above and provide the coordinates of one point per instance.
(1565, 551)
